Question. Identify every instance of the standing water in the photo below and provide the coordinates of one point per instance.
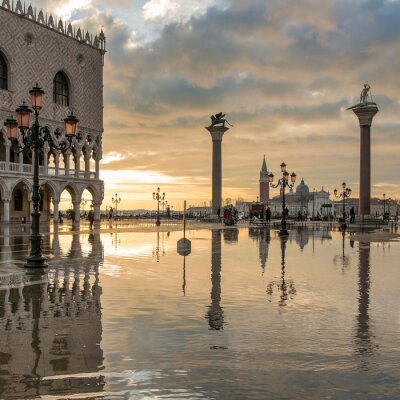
(248, 315)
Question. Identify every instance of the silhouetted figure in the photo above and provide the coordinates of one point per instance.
(91, 218)
(352, 215)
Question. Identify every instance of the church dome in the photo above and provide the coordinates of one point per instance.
(302, 188)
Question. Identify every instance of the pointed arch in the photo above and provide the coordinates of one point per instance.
(72, 190)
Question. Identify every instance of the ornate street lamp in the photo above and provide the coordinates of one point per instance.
(282, 184)
(345, 193)
(116, 200)
(384, 206)
(159, 197)
(34, 137)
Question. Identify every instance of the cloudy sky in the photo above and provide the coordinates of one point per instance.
(283, 71)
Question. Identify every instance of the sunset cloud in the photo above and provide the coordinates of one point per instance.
(283, 71)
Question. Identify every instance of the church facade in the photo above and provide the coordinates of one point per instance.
(67, 63)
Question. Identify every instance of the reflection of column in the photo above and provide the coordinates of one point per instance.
(215, 312)
(363, 335)
(217, 132)
(365, 115)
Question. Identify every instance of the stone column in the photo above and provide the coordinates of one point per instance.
(77, 209)
(57, 162)
(96, 210)
(45, 159)
(56, 204)
(67, 157)
(6, 210)
(97, 166)
(87, 165)
(77, 158)
(365, 115)
(217, 132)
(21, 162)
(7, 148)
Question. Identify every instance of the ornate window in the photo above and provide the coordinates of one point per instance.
(18, 200)
(3, 73)
(61, 89)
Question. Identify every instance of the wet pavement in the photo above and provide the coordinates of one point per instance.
(247, 315)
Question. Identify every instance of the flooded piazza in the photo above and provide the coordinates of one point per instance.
(119, 314)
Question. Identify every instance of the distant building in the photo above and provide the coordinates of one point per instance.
(201, 211)
(316, 203)
(264, 183)
(67, 63)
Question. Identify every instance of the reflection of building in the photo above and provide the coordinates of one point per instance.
(50, 325)
(231, 235)
(263, 237)
(68, 65)
(215, 313)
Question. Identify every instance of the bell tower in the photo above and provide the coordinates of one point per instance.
(264, 183)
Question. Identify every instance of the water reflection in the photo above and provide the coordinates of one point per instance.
(50, 323)
(215, 313)
(263, 237)
(343, 259)
(364, 346)
(231, 235)
(285, 287)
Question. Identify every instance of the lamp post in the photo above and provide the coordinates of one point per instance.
(345, 193)
(159, 197)
(34, 137)
(116, 200)
(384, 206)
(282, 184)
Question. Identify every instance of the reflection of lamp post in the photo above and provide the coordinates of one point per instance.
(344, 194)
(35, 137)
(116, 201)
(285, 287)
(159, 197)
(282, 183)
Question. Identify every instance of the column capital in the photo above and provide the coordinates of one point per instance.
(365, 114)
(217, 132)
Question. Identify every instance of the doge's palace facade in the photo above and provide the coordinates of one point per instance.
(67, 63)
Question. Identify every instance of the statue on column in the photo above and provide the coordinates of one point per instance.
(219, 119)
(364, 97)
